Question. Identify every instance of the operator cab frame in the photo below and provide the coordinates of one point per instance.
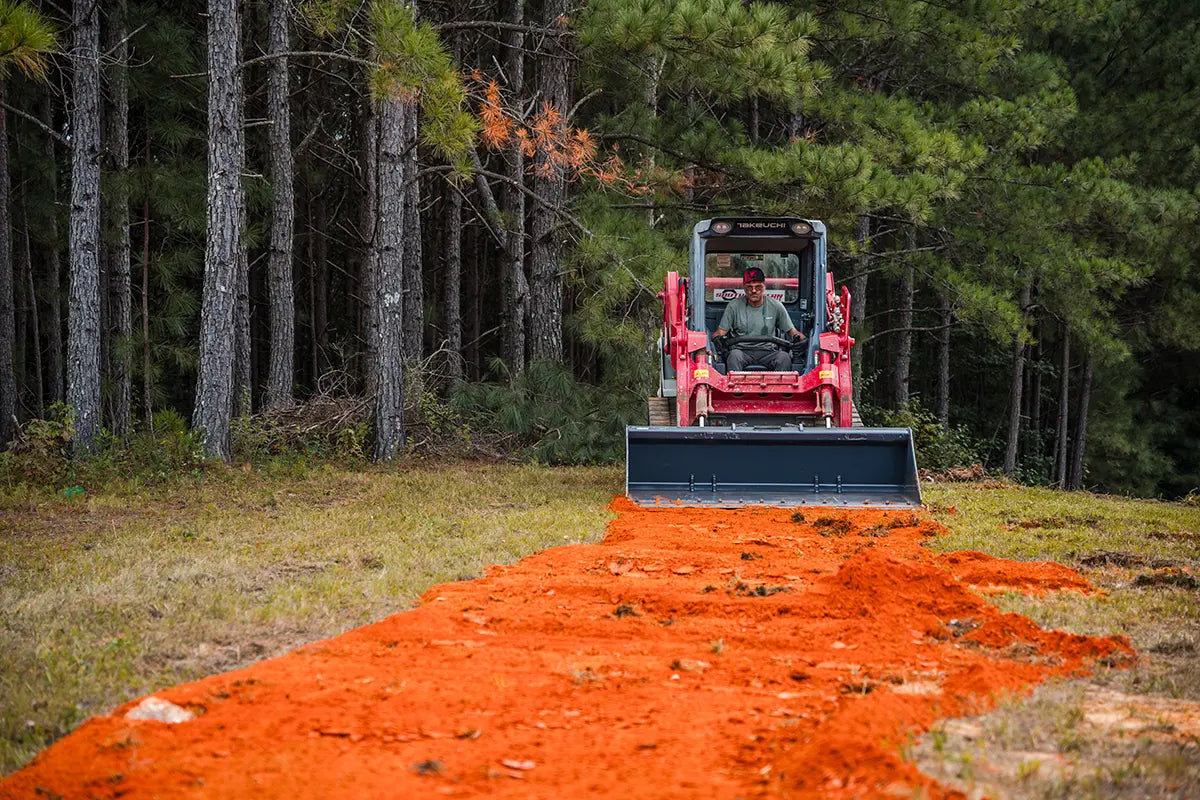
(791, 252)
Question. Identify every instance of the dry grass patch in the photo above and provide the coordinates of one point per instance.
(112, 596)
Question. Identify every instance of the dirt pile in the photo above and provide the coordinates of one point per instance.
(693, 653)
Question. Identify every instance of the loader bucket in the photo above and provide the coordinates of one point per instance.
(730, 468)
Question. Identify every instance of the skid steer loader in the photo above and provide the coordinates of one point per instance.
(757, 437)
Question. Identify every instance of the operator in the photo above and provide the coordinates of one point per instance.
(755, 314)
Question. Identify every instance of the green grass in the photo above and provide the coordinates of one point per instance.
(115, 594)
(111, 596)
(1017, 750)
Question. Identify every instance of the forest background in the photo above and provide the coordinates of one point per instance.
(369, 229)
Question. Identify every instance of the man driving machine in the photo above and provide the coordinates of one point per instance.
(759, 316)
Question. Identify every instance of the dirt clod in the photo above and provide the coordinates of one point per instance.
(828, 526)
(1173, 578)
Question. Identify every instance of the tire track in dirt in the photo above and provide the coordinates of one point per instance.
(692, 653)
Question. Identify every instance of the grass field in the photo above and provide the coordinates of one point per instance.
(113, 595)
(1125, 733)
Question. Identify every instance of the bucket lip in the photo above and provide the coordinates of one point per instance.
(753, 434)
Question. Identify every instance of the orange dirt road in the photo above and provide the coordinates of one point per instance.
(692, 653)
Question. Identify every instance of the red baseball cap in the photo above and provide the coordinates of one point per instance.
(753, 274)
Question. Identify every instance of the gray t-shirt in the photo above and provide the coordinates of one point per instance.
(742, 319)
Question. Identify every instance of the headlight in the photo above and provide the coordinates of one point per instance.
(801, 228)
(721, 227)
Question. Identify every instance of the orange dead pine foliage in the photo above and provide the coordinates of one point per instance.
(497, 126)
(553, 143)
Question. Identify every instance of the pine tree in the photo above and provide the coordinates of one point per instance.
(283, 337)
(214, 387)
(83, 321)
(117, 147)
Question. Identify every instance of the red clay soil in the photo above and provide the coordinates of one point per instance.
(692, 653)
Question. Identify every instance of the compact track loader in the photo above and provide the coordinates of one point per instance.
(757, 437)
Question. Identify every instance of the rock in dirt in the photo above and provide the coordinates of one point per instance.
(156, 708)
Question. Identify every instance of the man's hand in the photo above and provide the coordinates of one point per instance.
(798, 337)
(721, 342)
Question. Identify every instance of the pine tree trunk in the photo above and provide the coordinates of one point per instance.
(8, 378)
(391, 238)
(858, 296)
(319, 288)
(1061, 439)
(121, 299)
(35, 334)
(368, 282)
(54, 338)
(453, 286)
(214, 388)
(904, 322)
(147, 364)
(516, 287)
(20, 314)
(1035, 390)
(1015, 383)
(1075, 481)
(240, 402)
(946, 315)
(414, 281)
(550, 184)
(281, 372)
(83, 321)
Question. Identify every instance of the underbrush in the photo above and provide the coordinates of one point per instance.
(550, 416)
(939, 447)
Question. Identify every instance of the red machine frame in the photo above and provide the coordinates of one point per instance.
(825, 391)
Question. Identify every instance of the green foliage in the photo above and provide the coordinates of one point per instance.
(413, 62)
(550, 415)
(26, 38)
(938, 447)
(39, 458)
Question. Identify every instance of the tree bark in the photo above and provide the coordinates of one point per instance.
(391, 238)
(1061, 438)
(120, 297)
(83, 320)
(281, 372)
(414, 280)
(214, 388)
(904, 321)
(241, 405)
(858, 297)
(35, 333)
(453, 286)
(147, 364)
(54, 338)
(946, 315)
(1035, 390)
(550, 183)
(368, 283)
(1015, 384)
(516, 287)
(8, 378)
(319, 290)
(1077, 457)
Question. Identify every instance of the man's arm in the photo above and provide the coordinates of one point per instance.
(784, 318)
